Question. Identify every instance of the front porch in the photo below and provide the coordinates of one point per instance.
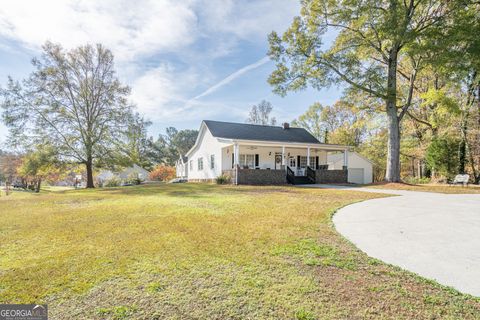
(271, 164)
(278, 177)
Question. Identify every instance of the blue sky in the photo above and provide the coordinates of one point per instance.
(185, 60)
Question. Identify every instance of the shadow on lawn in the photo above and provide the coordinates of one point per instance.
(174, 190)
(184, 190)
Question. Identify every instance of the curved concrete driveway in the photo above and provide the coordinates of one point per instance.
(432, 234)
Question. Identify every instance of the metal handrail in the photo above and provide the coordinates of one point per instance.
(311, 174)
(290, 175)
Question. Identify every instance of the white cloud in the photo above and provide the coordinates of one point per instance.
(154, 89)
(248, 20)
(145, 34)
(160, 92)
(129, 29)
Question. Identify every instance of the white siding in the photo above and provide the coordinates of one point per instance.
(356, 175)
(135, 169)
(208, 145)
(181, 169)
(266, 155)
(355, 161)
(124, 174)
(223, 153)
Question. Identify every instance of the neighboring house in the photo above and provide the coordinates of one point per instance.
(105, 175)
(124, 173)
(360, 169)
(259, 154)
(181, 167)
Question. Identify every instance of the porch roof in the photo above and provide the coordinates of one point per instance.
(260, 143)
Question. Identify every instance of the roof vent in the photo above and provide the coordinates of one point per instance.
(286, 126)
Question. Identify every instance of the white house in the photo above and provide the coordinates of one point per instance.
(181, 167)
(259, 154)
(360, 169)
(124, 174)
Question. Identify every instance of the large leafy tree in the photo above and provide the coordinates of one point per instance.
(442, 156)
(37, 165)
(341, 123)
(448, 91)
(183, 141)
(377, 43)
(9, 163)
(135, 147)
(313, 121)
(73, 101)
(170, 146)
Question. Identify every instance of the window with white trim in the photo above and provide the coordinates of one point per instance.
(292, 162)
(212, 161)
(247, 160)
(313, 162)
(200, 164)
(303, 162)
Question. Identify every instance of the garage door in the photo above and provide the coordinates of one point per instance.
(355, 175)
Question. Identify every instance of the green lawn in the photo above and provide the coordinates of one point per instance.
(197, 251)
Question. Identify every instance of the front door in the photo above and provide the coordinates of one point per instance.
(292, 163)
(278, 161)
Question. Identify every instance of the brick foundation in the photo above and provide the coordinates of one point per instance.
(279, 177)
(331, 176)
(258, 176)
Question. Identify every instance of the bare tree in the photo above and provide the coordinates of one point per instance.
(260, 114)
(73, 101)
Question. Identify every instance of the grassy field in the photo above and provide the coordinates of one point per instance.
(197, 251)
(438, 188)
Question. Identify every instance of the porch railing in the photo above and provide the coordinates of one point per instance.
(311, 175)
(290, 176)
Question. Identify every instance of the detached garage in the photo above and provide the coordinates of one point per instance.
(360, 169)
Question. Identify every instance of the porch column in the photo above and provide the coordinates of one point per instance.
(308, 156)
(345, 159)
(236, 157)
(283, 158)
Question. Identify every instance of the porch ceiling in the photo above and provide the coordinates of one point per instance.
(320, 146)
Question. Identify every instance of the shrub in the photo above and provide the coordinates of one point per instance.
(416, 180)
(99, 183)
(222, 179)
(162, 173)
(112, 182)
(133, 178)
(442, 156)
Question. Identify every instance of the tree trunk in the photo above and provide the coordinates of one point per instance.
(37, 185)
(89, 165)
(393, 154)
(462, 151)
(413, 167)
(477, 176)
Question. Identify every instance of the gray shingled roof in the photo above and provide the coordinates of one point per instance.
(244, 131)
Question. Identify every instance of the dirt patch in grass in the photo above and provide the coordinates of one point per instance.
(449, 189)
(196, 251)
